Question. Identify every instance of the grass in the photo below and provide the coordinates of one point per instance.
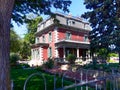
(19, 75)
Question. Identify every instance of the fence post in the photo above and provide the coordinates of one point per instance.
(104, 86)
(86, 79)
(54, 82)
(38, 74)
(81, 74)
(12, 84)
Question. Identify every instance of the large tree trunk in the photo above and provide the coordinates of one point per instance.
(6, 7)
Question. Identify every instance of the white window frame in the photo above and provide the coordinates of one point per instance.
(43, 38)
(50, 37)
(68, 37)
(85, 38)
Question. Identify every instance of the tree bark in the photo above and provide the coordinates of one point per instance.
(6, 7)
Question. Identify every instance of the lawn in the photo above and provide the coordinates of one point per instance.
(19, 75)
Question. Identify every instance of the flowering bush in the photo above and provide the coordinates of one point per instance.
(71, 58)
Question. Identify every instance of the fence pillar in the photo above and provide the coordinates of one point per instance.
(12, 84)
(104, 86)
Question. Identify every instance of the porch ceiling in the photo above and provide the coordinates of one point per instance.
(73, 44)
(39, 44)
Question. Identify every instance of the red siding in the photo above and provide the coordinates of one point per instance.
(45, 54)
(77, 36)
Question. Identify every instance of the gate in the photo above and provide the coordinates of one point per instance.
(83, 79)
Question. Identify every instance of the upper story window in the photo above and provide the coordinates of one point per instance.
(50, 37)
(43, 39)
(37, 40)
(68, 35)
(73, 22)
(37, 53)
(70, 22)
(49, 52)
(85, 38)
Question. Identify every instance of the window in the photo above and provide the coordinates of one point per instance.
(85, 38)
(43, 39)
(37, 40)
(73, 22)
(49, 52)
(50, 36)
(33, 54)
(70, 22)
(37, 53)
(68, 35)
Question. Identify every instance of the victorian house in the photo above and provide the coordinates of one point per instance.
(58, 39)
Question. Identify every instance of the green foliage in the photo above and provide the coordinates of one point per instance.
(15, 43)
(49, 64)
(112, 55)
(14, 58)
(25, 51)
(24, 7)
(36, 83)
(29, 38)
(32, 25)
(103, 53)
(71, 58)
(104, 18)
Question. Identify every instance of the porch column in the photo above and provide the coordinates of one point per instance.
(64, 53)
(56, 52)
(78, 53)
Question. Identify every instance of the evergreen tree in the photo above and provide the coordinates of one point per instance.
(104, 17)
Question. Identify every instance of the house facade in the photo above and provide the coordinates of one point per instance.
(56, 38)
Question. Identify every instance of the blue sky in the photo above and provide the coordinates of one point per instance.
(76, 9)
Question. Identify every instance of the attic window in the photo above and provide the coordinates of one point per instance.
(73, 22)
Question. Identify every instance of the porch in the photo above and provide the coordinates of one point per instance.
(79, 49)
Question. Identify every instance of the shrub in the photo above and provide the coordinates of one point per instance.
(71, 58)
(14, 58)
(49, 64)
(112, 55)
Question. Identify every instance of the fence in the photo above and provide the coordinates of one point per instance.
(83, 79)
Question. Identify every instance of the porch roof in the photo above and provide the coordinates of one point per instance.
(39, 44)
(73, 44)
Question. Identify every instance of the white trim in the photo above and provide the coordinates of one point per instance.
(41, 53)
(77, 52)
(56, 53)
(56, 34)
(72, 41)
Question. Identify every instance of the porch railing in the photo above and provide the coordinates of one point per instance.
(78, 61)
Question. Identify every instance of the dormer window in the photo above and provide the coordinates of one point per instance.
(73, 22)
(70, 22)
